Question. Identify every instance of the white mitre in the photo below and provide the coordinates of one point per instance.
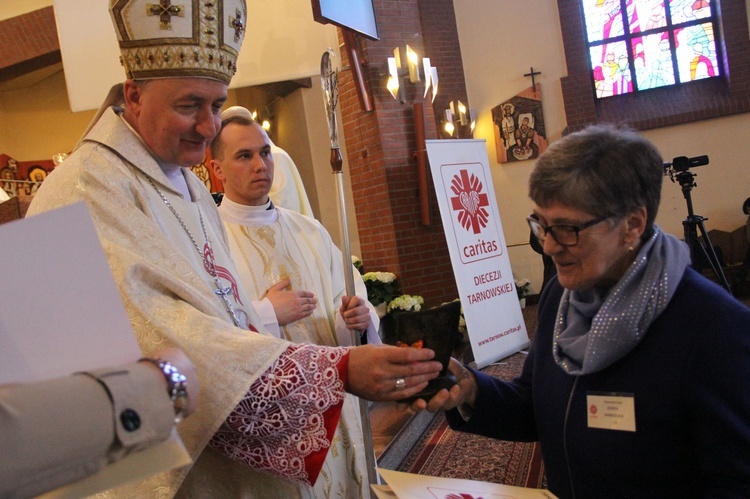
(179, 38)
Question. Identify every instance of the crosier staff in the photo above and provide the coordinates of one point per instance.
(329, 83)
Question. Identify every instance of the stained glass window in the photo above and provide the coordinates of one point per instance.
(637, 45)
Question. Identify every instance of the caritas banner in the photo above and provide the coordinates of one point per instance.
(463, 183)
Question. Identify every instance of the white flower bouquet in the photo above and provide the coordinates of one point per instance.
(523, 288)
(406, 303)
(382, 287)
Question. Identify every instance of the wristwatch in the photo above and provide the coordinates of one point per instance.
(176, 386)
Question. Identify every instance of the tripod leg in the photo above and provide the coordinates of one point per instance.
(713, 260)
(697, 253)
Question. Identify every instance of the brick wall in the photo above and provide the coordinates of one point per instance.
(28, 42)
(381, 147)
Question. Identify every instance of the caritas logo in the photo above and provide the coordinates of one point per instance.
(469, 201)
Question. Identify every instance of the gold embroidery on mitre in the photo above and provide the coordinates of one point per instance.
(193, 38)
(165, 10)
(236, 23)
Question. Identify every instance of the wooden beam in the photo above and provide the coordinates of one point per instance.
(352, 50)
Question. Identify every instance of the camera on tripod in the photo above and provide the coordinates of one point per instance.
(683, 163)
(701, 250)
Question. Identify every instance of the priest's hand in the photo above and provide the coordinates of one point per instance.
(463, 394)
(385, 372)
(355, 313)
(290, 305)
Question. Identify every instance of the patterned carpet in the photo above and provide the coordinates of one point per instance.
(442, 452)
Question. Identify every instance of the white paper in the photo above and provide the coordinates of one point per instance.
(411, 486)
(382, 491)
(61, 313)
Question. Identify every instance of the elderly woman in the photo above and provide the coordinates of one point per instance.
(638, 380)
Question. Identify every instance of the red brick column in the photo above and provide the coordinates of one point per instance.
(381, 146)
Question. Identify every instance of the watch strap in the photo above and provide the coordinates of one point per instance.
(176, 386)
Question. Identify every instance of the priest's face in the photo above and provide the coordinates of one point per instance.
(245, 163)
(176, 117)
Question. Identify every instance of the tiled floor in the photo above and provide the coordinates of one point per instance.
(386, 421)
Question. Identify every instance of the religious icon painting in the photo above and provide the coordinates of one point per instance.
(206, 174)
(23, 178)
(520, 133)
(7, 180)
(202, 172)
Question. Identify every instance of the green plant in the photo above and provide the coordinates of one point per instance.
(382, 287)
(357, 262)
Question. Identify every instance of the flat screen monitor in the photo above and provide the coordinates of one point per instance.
(356, 15)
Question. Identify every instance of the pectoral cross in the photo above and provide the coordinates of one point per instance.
(165, 10)
(236, 23)
(224, 294)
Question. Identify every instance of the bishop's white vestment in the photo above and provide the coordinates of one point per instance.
(160, 258)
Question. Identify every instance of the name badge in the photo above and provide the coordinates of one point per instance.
(613, 411)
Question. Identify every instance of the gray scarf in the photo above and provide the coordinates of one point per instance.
(595, 329)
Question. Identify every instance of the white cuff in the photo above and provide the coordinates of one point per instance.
(264, 309)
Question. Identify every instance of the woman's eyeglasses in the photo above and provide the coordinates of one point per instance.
(565, 235)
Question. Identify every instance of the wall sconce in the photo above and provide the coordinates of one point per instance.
(459, 120)
(264, 121)
(59, 158)
(449, 127)
(393, 85)
(430, 79)
(397, 75)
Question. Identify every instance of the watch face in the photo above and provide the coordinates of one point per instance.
(176, 387)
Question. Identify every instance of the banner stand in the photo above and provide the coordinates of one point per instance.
(479, 256)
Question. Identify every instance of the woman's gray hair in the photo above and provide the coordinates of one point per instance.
(603, 170)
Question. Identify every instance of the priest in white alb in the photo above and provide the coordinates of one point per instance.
(277, 248)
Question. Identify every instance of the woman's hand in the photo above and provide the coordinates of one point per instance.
(463, 393)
